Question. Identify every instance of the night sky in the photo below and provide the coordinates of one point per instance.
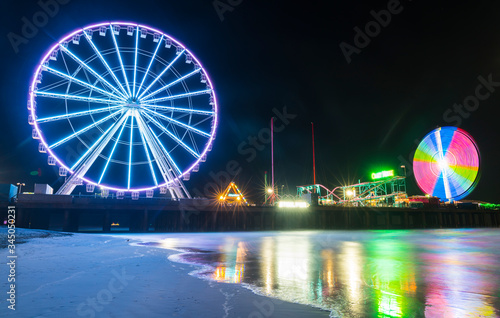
(265, 56)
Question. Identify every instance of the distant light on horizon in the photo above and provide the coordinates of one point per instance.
(292, 204)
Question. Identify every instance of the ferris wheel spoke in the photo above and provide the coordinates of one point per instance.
(172, 83)
(149, 65)
(81, 131)
(162, 99)
(111, 154)
(162, 158)
(178, 123)
(130, 151)
(143, 139)
(75, 97)
(164, 161)
(77, 114)
(88, 68)
(120, 59)
(171, 135)
(167, 154)
(135, 59)
(82, 83)
(443, 164)
(61, 84)
(181, 110)
(89, 40)
(95, 150)
(160, 75)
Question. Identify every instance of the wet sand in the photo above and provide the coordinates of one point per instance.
(90, 275)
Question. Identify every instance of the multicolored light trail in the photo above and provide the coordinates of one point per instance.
(446, 163)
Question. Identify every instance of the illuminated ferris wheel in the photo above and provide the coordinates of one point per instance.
(124, 107)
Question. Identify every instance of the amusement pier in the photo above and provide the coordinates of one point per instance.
(126, 113)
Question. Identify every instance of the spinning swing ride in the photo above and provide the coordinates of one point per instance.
(446, 164)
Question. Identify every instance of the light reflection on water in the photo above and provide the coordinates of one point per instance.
(436, 273)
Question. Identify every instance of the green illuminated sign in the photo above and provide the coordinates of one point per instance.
(382, 174)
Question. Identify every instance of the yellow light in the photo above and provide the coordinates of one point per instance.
(238, 198)
(269, 190)
(349, 193)
(221, 197)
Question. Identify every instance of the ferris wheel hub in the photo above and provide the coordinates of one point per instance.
(132, 103)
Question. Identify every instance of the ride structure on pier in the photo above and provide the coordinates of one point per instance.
(384, 190)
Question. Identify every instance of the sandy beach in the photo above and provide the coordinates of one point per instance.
(91, 275)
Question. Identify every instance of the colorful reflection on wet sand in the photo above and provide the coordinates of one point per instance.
(435, 273)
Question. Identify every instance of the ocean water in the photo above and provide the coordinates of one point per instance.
(404, 273)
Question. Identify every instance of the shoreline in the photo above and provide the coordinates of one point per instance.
(97, 275)
(27, 234)
(199, 271)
